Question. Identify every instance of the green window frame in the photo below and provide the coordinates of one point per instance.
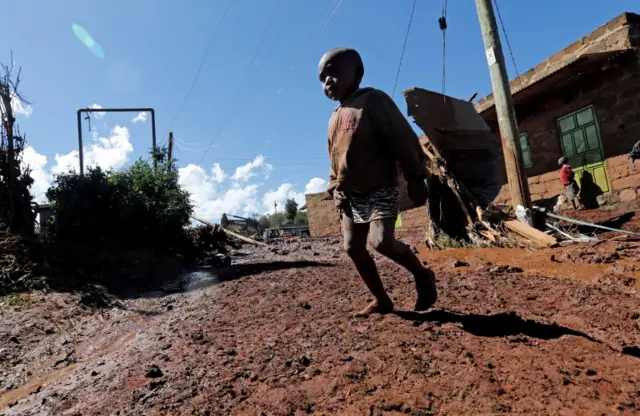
(525, 148)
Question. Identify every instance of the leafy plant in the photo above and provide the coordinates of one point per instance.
(140, 207)
(291, 210)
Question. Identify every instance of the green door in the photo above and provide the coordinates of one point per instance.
(581, 143)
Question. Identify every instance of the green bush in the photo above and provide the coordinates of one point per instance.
(140, 207)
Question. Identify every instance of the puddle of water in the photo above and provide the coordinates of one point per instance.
(536, 262)
(199, 279)
(26, 389)
(55, 376)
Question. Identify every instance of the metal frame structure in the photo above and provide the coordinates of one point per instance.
(112, 110)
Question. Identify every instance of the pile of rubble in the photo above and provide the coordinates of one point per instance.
(16, 270)
(463, 159)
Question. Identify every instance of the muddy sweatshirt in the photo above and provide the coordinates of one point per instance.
(368, 138)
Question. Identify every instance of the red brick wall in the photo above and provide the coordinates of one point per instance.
(614, 93)
(615, 96)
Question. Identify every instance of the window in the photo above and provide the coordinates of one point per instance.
(526, 150)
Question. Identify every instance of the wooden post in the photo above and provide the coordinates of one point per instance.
(504, 106)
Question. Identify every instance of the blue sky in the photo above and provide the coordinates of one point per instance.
(153, 49)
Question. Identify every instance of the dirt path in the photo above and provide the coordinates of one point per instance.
(546, 336)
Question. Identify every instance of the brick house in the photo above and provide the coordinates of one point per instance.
(583, 103)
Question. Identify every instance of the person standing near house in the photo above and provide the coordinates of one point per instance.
(567, 177)
(368, 138)
(634, 154)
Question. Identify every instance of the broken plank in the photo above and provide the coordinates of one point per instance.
(531, 233)
(231, 233)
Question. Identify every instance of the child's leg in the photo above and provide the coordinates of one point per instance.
(384, 241)
(355, 243)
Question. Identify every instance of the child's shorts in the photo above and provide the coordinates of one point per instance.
(571, 190)
(375, 204)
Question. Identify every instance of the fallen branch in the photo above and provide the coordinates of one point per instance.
(231, 233)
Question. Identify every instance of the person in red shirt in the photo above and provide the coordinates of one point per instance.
(567, 177)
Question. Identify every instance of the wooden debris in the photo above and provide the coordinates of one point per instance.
(231, 233)
(527, 231)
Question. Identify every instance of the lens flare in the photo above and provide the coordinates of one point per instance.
(88, 41)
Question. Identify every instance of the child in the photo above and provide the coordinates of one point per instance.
(368, 138)
(568, 180)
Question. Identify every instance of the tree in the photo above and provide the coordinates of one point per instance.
(291, 210)
(302, 218)
(142, 206)
(15, 199)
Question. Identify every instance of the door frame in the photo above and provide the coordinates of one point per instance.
(600, 139)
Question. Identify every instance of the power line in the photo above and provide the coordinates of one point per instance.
(240, 89)
(202, 61)
(506, 38)
(442, 22)
(404, 46)
(323, 25)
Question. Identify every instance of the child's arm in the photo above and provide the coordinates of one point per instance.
(402, 140)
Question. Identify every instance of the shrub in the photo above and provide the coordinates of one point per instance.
(140, 207)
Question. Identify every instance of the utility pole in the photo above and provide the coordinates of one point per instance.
(170, 150)
(507, 123)
(275, 208)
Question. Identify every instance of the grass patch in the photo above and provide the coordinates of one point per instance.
(21, 300)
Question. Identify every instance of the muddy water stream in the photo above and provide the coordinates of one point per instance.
(100, 345)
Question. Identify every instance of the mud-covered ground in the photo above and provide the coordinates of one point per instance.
(553, 331)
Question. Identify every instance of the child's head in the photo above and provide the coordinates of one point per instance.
(340, 70)
(563, 161)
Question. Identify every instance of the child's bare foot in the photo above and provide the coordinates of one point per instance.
(427, 291)
(381, 307)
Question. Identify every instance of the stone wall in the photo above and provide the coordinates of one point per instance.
(324, 219)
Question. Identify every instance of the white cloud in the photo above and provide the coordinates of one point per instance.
(247, 171)
(315, 185)
(41, 178)
(97, 114)
(210, 200)
(20, 108)
(218, 174)
(280, 196)
(213, 191)
(107, 152)
(141, 117)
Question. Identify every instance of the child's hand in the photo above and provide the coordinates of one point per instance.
(340, 199)
(418, 192)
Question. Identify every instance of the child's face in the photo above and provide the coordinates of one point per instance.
(338, 75)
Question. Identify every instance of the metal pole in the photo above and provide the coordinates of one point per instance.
(80, 146)
(153, 137)
(170, 150)
(115, 110)
(507, 123)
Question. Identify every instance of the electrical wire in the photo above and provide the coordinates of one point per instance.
(202, 61)
(326, 21)
(323, 25)
(506, 38)
(240, 89)
(442, 21)
(404, 46)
